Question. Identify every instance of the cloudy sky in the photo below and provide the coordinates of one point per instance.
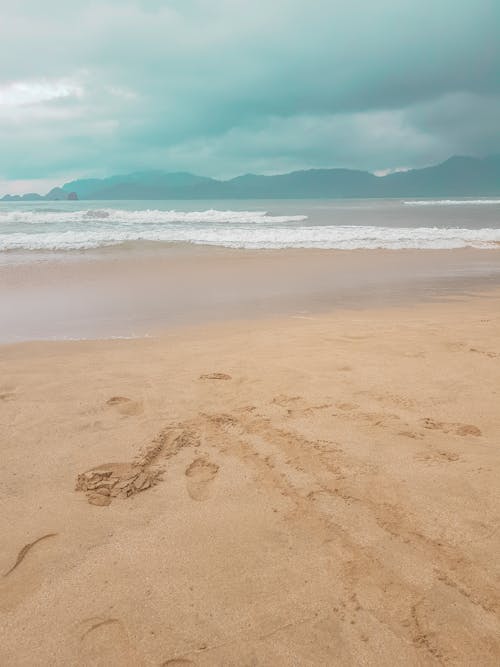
(223, 87)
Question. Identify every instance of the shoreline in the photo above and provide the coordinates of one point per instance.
(137, 293)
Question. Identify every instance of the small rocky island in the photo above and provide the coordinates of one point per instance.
(56, 194)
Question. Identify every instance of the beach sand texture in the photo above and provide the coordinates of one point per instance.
(316, 490)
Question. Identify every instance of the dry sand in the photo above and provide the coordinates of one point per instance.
(316, 491)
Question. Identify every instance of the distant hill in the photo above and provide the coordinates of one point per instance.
(456, 177)
(56, 194)
(140, 185)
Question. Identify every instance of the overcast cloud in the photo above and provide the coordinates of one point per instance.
(224, 87)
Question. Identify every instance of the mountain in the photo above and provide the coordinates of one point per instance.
(57, 194)
(459, 176)
(342, 183)
(140, 185)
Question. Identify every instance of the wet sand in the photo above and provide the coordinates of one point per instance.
(312, 489)
(142, 289)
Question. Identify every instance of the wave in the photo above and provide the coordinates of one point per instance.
(149, 216)
(451, 202)
(235, 236)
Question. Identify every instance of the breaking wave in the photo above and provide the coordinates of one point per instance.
(148, 216)
(52, 229)
(238, 236)
(451, 202)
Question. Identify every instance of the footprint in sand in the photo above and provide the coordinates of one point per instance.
(284, 401)
(105, 641)
(458, 429)
(439, 456)
(125, 479)
(25, 550)
(491, 355)
(7, 392)
(415, 435)
(347, 407)
(125, 406)
(200, 475)
(296, 406)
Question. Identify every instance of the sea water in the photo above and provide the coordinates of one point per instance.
(391, 224)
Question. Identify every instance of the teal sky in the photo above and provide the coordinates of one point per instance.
(225, 87)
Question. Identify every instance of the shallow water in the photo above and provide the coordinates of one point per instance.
(142, 289)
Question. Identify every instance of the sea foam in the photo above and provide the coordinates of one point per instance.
(145, 217)
(26, 230)
(349, 238)
(451, 202)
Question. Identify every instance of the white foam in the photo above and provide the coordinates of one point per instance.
(148, 216)
(451, 202)
(57, 229)
(275, 236)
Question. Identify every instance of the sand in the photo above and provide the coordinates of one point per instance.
(315, 490)
(123, 291)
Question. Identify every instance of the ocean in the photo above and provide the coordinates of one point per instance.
(26, 228)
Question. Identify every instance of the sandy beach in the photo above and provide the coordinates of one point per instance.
(316, 489)
(250, 334)
(140, 289)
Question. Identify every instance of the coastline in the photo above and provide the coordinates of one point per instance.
(329, 495)
(145, 289)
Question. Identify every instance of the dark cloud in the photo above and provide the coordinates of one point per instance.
(228, 86)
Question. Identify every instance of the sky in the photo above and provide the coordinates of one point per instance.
(225, 87)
